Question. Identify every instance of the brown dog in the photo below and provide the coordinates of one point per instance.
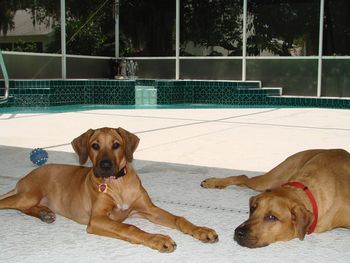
(316, 198)
(101, 197)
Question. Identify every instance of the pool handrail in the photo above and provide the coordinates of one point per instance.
(6, 79)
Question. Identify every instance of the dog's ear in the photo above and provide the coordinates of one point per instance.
(131, 143)
(80, 145)
(301, 218)
(253, 204)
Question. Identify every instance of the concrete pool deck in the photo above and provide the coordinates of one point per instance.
(178, 149)
(250, 139)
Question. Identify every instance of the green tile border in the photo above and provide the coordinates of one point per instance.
(47, 93)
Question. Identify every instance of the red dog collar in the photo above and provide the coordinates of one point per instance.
(312, 201)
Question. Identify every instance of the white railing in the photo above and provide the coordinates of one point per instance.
(6, 79)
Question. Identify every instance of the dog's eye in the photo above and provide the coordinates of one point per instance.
(115, 146)
(270, 218)
(95, 146)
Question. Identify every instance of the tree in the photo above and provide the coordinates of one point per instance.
(41, 10)
(273, 25)
(277, 25)
(147, 27)
(212, 23)
(88, 29)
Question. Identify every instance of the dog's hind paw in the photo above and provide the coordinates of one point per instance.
(212, 183)
(47, 217)
(220, 183)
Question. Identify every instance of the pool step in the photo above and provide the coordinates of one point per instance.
(262, 91)
(145, 95)
(8, 100)
(272, 91)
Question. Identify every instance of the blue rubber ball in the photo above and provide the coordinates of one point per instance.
(39, 156)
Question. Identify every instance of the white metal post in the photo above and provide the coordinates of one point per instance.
(177, 41)
(63, 40)
(320, 50)
(244, 41)
(116, 29)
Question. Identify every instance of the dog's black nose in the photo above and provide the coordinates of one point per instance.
(105, 164)
(240, 233)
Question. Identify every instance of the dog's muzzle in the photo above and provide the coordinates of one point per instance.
(240, 234)
(105, 168)
(244, 237)
(106, 165)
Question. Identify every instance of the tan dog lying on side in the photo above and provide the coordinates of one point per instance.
(317, 197)
(102, 196)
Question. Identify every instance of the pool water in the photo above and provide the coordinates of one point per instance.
(85, 107)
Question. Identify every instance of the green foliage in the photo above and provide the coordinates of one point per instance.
(22, 46)
(147, 27)
(41, 10)
(275, 25)
(212, 23)
(84, 39)
(87, 23)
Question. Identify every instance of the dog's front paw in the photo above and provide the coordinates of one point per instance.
(205, 234)
(213, 183)
(162, 243)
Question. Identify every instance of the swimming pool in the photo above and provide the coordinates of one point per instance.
(65, 95)
(87, 107)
